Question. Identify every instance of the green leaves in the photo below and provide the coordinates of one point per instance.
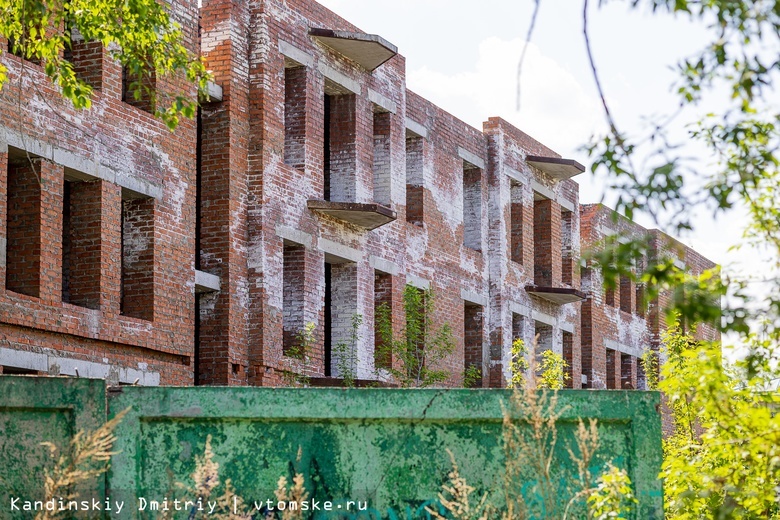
(413, 357)
(723, 460)
(140, 34)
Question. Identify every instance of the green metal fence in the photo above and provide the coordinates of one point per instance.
(383, 450)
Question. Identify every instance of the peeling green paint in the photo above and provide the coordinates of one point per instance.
(386, 446)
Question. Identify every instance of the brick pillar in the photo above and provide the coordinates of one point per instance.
(3, 215)
(138, 258)
(343, 148)
(613, 369)
(110, 247)
(547, 243)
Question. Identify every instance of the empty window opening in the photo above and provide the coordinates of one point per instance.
(641, 305)
(612, 367)
(293, 287)
(472, 206)
(137, 286)
(568, 357)
(23, 227)
(85, 56)
(545, 231)
(627, 372)
(415, 194)
(81, 242)
(326, 150)
(516, 222)
(472, 342)
(627, 294)
(341, 318)
(138, 88)
(295, 117)
(383, 318)
(567, 247)
(543, 336)
(340, 150)
(16, 371)
(381, 164)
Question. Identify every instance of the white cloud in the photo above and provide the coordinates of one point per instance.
(555, 108)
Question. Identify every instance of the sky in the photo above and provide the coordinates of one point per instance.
(463, 56)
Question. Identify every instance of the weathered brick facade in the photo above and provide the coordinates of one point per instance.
(619, 325)
(313, 191)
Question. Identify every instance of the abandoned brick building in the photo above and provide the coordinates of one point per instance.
(313, 188)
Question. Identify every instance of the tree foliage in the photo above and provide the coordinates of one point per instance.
(741, 59)
(723, 459)
(421, 345)
(138, 33)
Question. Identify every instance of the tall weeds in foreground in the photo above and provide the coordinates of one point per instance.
(532, 484)
(86, 458)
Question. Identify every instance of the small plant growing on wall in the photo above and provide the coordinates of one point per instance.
(419, 346)
(298, 356)
(346, 353)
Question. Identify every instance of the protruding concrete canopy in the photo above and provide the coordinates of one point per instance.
(556, 167)
(557, 295)
(369, 50)
(368, 216)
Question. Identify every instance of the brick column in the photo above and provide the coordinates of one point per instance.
(3, 214)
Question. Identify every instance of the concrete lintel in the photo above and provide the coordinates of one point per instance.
(206, 282)
(519, 309)
(544, 318)
(386, 266)
(339, 78)
(623, 348)
(473, 297)
(3, 147)
(471, 158)
(567, 327)
(606, 231)
(515, 175)
(82, 167)
(416, 128)
(24, 359)
(44, 362)
(296, 54)
(214, 92)
(417, 281)
(542, 190)
(387, 105)
(294, 235)
(329, 247)
(565, 204)
(679, 264)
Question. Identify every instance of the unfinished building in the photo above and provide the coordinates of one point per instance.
(312, 189)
